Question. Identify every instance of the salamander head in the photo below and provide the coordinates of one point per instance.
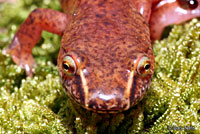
(105, 82)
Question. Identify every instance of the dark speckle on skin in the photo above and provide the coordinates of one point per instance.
(99, 15)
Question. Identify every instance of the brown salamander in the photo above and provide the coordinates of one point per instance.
(105, 60)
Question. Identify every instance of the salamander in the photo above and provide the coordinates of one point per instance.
(106, 60)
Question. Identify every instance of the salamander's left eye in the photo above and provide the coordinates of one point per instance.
(188, 4)
(69, 66)
(143, 65)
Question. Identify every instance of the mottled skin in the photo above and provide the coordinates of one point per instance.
(106, 39)
(107, 44)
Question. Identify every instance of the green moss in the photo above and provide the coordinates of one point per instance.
(39, 104)
(174, 97)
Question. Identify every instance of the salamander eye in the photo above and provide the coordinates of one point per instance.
(69, 66)
(192, 4)
(188, 4)
(143, 65)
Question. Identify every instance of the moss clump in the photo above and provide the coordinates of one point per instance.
(39, 104)
(174, 97)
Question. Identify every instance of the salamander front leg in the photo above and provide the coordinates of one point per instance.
(169, 12)
(29, 33)
(144, 7)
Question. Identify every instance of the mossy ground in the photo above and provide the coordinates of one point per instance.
(39, 104)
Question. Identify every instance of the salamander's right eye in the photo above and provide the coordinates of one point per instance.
(69, 66)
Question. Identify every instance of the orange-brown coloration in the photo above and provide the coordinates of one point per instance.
(106, 36)
(104, 41)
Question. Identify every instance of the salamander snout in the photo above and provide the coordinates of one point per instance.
(111, 102)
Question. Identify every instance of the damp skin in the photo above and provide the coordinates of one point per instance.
(105, 60)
